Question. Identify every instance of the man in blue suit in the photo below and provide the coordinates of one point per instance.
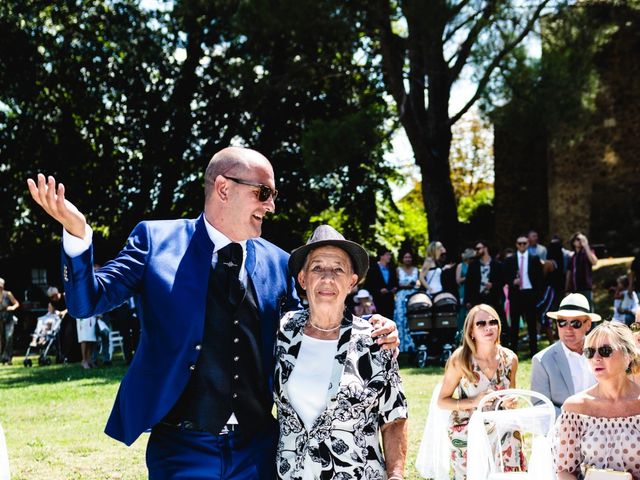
(212, 293)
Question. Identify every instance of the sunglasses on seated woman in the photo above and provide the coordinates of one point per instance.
(635, 327)
(604, 351)
(483, 323)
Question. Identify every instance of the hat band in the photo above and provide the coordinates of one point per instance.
(575, 307)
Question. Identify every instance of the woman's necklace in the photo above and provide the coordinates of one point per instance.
(326, 330)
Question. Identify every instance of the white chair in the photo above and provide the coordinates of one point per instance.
(534, 424)
(115, 340)
(4, 458)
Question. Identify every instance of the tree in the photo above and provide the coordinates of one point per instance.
(425, 47)
(127, 105)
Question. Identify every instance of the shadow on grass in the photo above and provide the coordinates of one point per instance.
(17, 376)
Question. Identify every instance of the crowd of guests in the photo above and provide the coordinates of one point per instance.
(522, 283)
(590, 374)
(83, 340)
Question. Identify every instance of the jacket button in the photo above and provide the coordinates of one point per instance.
(198, 347)
(192, 367)
(236, 340)
(236, 358)
(236, 322)
(235, 395)
(236, 376)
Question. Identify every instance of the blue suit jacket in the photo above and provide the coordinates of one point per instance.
(167, 264)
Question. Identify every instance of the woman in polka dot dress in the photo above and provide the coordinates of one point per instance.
(600, 427)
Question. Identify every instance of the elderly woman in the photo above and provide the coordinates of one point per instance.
(334, 387)
(600, 427)
(479, 366)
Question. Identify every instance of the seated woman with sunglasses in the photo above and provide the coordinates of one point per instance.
(478, 367)
(600, 427)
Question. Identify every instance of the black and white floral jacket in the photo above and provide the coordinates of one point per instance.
(365, 392)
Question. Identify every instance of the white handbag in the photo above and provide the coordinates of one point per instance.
(606, 474)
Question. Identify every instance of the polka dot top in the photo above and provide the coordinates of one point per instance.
(580, 441)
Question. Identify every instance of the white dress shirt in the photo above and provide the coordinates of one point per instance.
(525, 283)
(580, 372)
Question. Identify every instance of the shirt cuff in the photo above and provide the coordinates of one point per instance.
(74, 246)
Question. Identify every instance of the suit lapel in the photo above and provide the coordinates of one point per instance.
(560, 361)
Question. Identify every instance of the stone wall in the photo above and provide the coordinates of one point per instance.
(592, 171)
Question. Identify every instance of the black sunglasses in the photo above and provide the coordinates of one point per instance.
(574, 323)
(522, 243)
(264, 191)
(483, 323)
(478, 248)
(604, 351)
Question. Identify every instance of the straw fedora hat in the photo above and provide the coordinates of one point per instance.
(574, 305)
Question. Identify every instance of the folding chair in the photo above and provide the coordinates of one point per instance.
(485, 460)
(115, 340)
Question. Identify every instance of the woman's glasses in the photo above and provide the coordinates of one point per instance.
(483, 323)
(604, 351)
(264, 191)
(574, 323)
(635, 327)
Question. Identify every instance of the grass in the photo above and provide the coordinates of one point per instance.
(53, 418)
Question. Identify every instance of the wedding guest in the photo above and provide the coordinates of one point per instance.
(600, 427)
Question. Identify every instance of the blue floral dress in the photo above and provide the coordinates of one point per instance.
(407, 282)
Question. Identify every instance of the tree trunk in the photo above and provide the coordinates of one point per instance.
(432, 156)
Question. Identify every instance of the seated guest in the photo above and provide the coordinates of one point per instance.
(600, 427)
(334, 387)
(478, 367)
(560, 370)
(364, 303)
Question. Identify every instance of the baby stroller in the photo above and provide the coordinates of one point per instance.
(432, 326)
(419, 323)
(444, 334)
(43, 339)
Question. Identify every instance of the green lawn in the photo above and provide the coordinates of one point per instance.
(53, 418)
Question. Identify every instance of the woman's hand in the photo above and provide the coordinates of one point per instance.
(478, 398)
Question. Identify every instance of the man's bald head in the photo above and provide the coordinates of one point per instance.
(232, 161)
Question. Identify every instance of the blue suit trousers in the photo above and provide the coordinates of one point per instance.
(174, 453)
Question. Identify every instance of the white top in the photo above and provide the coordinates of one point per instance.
(525, 283)
(433, 277)
(627, 302)
(309, 382)
(580, 372)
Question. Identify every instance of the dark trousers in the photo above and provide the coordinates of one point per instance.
(523, 304)
(174, 453)
(7, 327)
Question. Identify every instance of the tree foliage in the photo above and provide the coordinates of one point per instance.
(126, 106)
(425, 47)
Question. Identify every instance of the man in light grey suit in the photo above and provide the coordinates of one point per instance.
(560, 370)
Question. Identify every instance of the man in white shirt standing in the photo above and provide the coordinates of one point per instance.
(523, 274)
(561, 370)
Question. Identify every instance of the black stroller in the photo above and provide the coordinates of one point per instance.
(432, 326)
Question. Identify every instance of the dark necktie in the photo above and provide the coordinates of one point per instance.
(229, 263)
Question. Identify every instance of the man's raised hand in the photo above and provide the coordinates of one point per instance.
(52, 201)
